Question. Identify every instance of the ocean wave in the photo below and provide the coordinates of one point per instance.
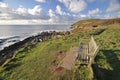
(7, 41)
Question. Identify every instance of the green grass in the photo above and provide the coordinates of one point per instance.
(108, 58)
(33, 64)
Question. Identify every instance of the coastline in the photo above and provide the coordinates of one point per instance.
(8, 52)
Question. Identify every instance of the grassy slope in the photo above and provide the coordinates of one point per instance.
(108, 58)
(34, 64)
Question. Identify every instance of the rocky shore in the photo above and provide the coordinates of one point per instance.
(8, 52)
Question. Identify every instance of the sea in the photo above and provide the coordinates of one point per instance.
(15, 33)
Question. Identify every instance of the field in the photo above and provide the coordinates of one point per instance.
(33, 64)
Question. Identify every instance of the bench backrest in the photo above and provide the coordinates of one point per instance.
(88, 52)
(93, 48)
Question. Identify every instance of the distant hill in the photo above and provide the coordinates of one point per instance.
(90, 24)
(99, 22)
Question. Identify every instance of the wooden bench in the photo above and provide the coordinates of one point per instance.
(87, 52)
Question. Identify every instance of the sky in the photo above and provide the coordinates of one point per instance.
(56, 11)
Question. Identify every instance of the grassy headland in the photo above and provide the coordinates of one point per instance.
(33, 64)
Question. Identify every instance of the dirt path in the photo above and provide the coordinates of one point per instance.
(70, 58)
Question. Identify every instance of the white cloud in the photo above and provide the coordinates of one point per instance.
(3, 5)
(35, 11)
(22, 13)
(5, 8)
(37, 15)
(58, 10)
(83, 16)
(107, 16)
(5, 16)
(74, 6)
(114, 6)
(21, 10)
(53, 17)
(5, 12)
(96, 11)
(115, 15)
(51, 12)
(42, 1)
(63, 17)
(13, 22)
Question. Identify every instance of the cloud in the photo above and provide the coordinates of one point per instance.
(38, 12)
(22, 13)
(110, 16)
(83, 16)
(115, 15)
(13, 22)
(42, 1)
(37, 15)
(53, 16)
(58, 10)
(113, 6)
(3, 5)
(96, 11)
(61, 17)
(5, 16)
(5, 11)
(74, 6)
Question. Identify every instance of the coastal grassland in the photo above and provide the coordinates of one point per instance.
(107, 61)
(33, 64)
(107, 65)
